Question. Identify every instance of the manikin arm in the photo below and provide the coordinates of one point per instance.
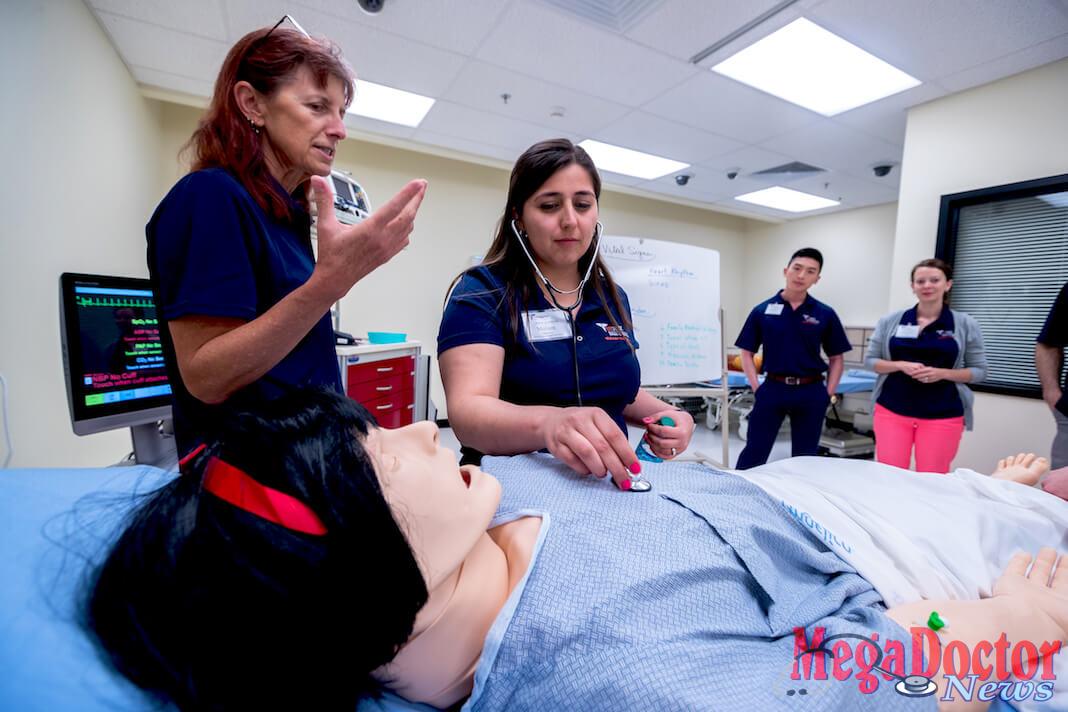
(1025, 607)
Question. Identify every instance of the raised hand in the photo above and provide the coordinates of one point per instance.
(348, 253)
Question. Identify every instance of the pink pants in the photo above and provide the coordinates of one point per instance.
(936, 440)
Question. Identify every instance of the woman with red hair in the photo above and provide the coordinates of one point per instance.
(244, 299)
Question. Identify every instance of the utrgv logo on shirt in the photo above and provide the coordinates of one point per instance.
(944, 333)
(809, 319)
(613, 333)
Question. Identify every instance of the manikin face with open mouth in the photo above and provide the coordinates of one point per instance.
(302, 124)
(442, 508)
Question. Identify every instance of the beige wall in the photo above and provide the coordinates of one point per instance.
(1007, 131)
(81, 174)
(856, 246)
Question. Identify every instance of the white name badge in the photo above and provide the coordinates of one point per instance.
(546, 325)
(907, 331)
(773, 309)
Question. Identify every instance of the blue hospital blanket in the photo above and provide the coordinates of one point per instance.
(683, 598)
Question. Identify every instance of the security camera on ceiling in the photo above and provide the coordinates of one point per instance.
(881, 169)
(732, 173)
(371, 7)
(682, 178)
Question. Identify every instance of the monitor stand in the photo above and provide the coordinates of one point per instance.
(153, 444)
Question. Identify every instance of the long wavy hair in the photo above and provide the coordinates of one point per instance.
(537, 164)
(267, 59)
(208, 606)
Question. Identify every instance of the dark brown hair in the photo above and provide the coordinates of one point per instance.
(937, 264)
(537, 164)
(267, 59)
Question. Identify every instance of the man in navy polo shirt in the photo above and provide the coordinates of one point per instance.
(792, 326)
(1049, 358)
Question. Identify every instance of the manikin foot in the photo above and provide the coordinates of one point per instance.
(1024, 468)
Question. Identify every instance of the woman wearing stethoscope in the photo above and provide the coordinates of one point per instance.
(924, 356)
(536, 347)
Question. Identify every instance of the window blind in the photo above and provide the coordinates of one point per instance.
(1010, 259)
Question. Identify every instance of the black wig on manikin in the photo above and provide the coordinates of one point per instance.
(212, 607)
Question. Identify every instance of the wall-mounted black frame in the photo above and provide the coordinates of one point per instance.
(949, 223)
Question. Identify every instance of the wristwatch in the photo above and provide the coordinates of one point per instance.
(834, 399)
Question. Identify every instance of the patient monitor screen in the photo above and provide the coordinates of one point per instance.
(114, 355)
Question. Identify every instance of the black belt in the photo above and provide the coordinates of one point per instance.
(794, 380)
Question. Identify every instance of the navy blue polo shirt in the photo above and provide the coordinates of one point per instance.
(542, 372)
(213, 251)
(792, 338)
(1055, 330)
(933, 346)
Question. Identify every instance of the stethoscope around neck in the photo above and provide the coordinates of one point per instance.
(553, 291)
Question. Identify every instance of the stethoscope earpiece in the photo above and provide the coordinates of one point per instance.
(598, 228)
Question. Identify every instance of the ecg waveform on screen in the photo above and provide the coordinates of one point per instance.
(105, 300)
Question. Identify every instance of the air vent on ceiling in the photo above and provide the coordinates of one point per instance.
(794, 169)
(615, 15)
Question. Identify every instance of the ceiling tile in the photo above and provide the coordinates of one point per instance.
(244, 16)
(375, 55)
(1044, 53)
(475, 148)
(654, 134)
(685, 27)
(851, 192)
(886, 118)
(728, 108)
(930, 40)
(165, 50)
(383, 128)
(446, 24)
(831, 145)
(201, 17)
(172, 82)
(480, 85)
(748, 159)
(543, 42)
(459, 121)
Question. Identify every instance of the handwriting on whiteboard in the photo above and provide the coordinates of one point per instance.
(631, 251)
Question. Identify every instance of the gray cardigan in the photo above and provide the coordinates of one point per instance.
(970, 354)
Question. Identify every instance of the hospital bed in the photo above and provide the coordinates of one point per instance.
(48, 528)
(845, 433)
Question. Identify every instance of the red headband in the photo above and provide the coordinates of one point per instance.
(231, 484)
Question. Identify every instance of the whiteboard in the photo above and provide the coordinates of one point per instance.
(674, 301)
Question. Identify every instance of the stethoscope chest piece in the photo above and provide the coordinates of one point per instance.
(642, 485)
(916, 686)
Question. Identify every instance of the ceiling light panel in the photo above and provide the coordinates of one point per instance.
(814, 68)
(630, 162)
(780, 198)
(377, 101)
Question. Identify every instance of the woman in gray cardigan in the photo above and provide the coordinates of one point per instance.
(924, 356)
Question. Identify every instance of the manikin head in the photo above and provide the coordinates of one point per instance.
(210, 606)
